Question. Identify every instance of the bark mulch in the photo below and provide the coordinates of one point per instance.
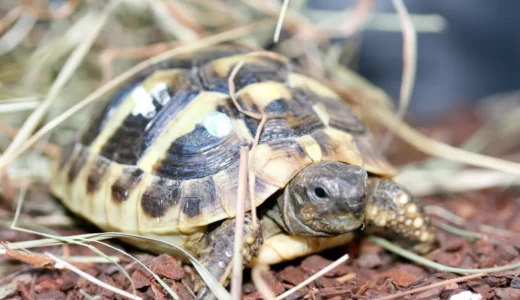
(371, 272)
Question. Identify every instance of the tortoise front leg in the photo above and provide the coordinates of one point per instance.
(216, 251)
(392, 211)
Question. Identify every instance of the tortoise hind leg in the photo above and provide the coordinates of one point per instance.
(215, 252)
(392, 211)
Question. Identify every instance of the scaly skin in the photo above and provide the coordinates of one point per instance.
(392, 211)
(216, 250)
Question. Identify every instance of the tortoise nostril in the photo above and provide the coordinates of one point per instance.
(320, 192)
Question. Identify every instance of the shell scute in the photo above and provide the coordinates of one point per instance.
(160, 196)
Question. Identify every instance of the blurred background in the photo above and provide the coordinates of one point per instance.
(467, 50)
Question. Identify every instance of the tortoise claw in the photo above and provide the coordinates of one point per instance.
(392, 211)
(204, 294)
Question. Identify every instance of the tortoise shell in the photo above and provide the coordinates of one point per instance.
(162, 157)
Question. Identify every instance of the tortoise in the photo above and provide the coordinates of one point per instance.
(161, 159)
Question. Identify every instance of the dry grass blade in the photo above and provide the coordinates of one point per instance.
(373, 101)
(218, 290)
(96, 95)
(66, 72)
(359, 17)
(433, 181)
(409, 66)
(431, 286)
(161, 282)
(315, 276)
(107, 56)
(10, 17)
(62, 12)
(471, 235)
(279, 25)
(238, 66)
(17, 106)
(170, 24)
(60, 264)
(262, 286)
(184, 16)
(90, 259)
(4, 249)
(236, 277)
(436, 148)
(453, 218)
(421, 260)
(50, 149)
(48, 242)
(12, 38)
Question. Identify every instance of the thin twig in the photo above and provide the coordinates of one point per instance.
(60, 264)
(409, 67)
(431, 286)
(262, 286)
(236, 277)
(315, 276)
(262, 117)
(252, 175)
(279, 25)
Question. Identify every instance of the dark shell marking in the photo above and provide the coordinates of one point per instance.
(131, 139)
(126, 183)
(199, 154)
(79, 161)
(189, 62)
(198, 196)
(160, 196)
(66, 154)
(340, 115)
(97, 173)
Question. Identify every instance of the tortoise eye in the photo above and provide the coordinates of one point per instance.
(320, 192)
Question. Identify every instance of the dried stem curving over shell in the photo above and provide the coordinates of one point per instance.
(262, 117)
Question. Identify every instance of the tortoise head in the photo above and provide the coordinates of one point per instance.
(324, 199)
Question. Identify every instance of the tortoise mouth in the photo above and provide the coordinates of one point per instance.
(337, 224)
